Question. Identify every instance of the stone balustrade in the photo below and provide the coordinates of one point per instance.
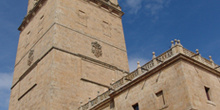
(175, 49)
(131, 76)
(188, 52)
(164, 56)
(148, 65)
(118, 83)
(95, 101)
(206, 61)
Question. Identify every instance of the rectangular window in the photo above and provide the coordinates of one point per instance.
(26, 41)
(28, 32)
(82, 18)
(207, 90)
(161, 100)
(106, 28)
(41, 21)
(135, 106)
(41, 17)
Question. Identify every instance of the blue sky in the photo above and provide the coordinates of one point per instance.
(149, 25)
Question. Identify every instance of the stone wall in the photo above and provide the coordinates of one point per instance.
(183, 88)
(63, 59)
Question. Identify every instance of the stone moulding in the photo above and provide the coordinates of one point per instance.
(34, 64)
(31, 14)
(27, 91)
(106, 4)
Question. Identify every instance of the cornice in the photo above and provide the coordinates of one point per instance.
(176, 58)
(108, 5)
(114, 9)
(31, 14)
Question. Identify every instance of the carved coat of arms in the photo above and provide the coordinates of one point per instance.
(30, 57)
(96, 49)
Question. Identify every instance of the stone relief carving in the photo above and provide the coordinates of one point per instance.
(35, 2)
(96, 49)
(30, 57)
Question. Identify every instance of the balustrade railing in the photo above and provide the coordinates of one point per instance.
(192, 54)
(85, 107)
(188, 52)
(146, 67)
(95, 101)
(132, 75)
(206, 61)
(164, 56)
(118, 83)
(105, 95)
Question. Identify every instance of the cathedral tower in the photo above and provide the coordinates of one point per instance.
(68, 51)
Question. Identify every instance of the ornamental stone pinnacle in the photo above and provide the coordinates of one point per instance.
(172, 44)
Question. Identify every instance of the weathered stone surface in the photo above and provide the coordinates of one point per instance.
(74, 51)
(182, 82)
(63, 71)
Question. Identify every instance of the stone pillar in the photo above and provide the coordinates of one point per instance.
(80, 108)
(180, 47)
(154, 59)
(199, 55)
(90, 103)
(98, 97)
(139, 67)
(115, 2)
(173, 48)
(210, 59)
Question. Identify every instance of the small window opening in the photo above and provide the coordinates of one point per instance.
(83, 18)
(81, 11)
(42, 17)
(161, 99)
(207, 90)
(135, 106)
(105, 22)
(40, 30)
(106, 28)
(28, 32)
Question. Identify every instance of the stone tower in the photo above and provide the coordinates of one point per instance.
(68, 52)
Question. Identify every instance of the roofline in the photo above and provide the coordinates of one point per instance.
(176, 58)
(174, 54)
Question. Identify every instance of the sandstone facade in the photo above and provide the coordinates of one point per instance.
(175, 80)
(68, 50)
(72, 55)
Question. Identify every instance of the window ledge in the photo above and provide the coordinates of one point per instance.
(211, 103)
(164, 107)
(193, 108)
